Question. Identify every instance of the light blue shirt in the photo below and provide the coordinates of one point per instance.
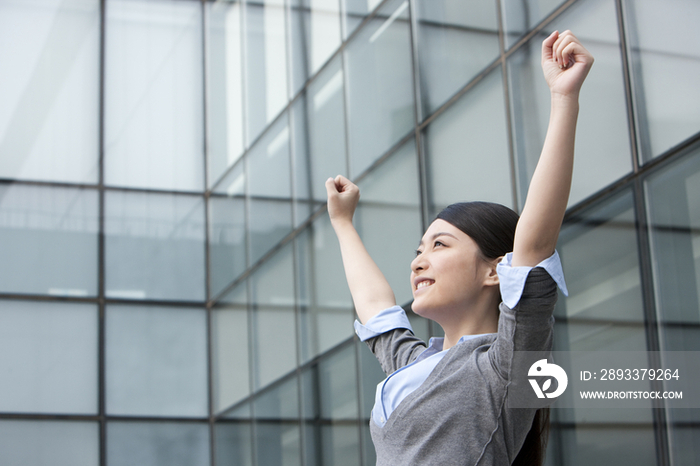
(392, 390)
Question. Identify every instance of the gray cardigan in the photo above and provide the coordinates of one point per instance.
(458, 416)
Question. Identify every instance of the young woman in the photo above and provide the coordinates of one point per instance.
(446, 403)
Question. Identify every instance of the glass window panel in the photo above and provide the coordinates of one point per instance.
(329, 395)
(389, 217)
(521, 16)
(269, 164)
(153, 95)
(301, 163)
(279, 402)
(666, 100)
(154, 246)
(477, 172)
(341, 445)
(337, 376)
(233, 444)
(157, 444)
(226, 241)
(156, 361)
(325, 304)
(607, 446)
(230, 349)
(457, 40)
(315, 31)
(602, 136)
(48, 353)
(354, 12)
(58, 443)
(380, 85)
(265, 64)
(48, 240)
(604, 310)
(325, 107)
(674, 219)
(274, 330)
(227, 229)
(225, 87)
(49, 123)
(270, 222)
(278, 435)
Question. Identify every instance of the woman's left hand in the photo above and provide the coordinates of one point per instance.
(565, 63)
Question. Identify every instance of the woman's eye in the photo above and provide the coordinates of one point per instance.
(418, 252)
(439, 243)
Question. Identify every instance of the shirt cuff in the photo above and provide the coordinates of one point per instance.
(385, 321)
(512, 279)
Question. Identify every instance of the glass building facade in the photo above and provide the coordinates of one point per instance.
(171, 291)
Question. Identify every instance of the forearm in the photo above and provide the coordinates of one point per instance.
(548, 194)
(370, 291)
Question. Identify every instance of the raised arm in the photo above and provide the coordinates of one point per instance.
(565, 63)
(370, 291)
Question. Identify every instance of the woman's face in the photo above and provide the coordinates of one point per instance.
(448, 273)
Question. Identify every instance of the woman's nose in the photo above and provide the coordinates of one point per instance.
(418, 263)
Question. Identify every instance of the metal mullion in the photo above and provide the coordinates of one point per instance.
(629, 94)
(207, 249)
(651, 321)
(509, 117)
(101, 244)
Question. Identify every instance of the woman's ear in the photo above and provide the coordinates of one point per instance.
(492, 277)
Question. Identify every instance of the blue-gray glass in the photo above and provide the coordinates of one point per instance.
(227, 229)
(269, 189)
(371, 374)
(379, 85)
(157, 443)
(154, 246)
(301, 163)
(602, 137)
(604, 310)
(325, 111)
(233, 444)
(269, 163)
(227, 258)
(224, 87)
(467, 149)
(329, 395)
(456, 41)
(388, 217)
(325, 305)
(274, 339)
(230, 349)
(521, 16)
(49, 117)
(665, 97)
(315, 36)
(270, 222)
(337, 383)
(48, 240)
(59, 443)
(583, 445)
(156, 361)
(265, 64)
(354, 12)
(277, 428)
(153, 116)
(279, 402)
(673, 195)
(48, 353)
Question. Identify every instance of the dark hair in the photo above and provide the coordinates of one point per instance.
(492, 227)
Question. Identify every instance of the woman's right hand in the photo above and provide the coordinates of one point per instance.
(343, 196)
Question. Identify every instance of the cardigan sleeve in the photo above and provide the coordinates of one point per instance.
(528, 325)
